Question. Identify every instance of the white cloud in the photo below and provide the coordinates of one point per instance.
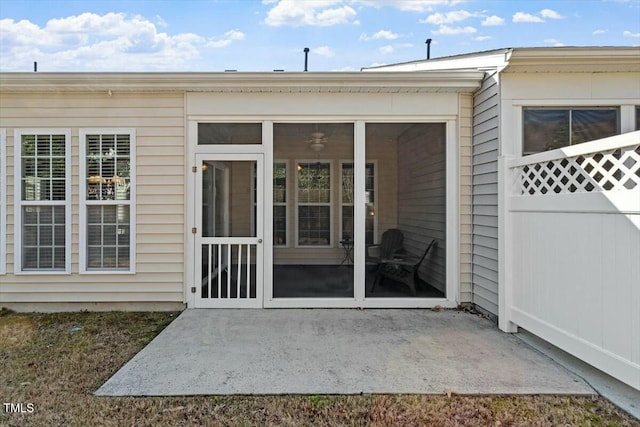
(492, 20)
(380, 35)
(227, 39)
(386, 50)
(445, 30)
(598, 32)
(526, 17)
(161, 22)
(554, 42)
(323, 51)
(92, 42)
(542, 15)
(448, 18)
(630, 34)
(551, 14)
(482, 38)
(410, 5)
(296, 13)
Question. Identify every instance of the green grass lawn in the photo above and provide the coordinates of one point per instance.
(57, 361)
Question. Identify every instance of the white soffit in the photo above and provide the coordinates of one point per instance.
(329, 82)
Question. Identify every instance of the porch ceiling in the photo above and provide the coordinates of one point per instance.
(329, 82)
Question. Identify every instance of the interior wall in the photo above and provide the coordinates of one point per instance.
(422, 197)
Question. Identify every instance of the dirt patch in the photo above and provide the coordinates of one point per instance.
(61, 359)
(16, 331)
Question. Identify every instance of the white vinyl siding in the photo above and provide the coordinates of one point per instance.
(314, 225)
(107, 200)
(42, 200)
(158, 120)
(422, 214)
(484, 268)
(3, 201)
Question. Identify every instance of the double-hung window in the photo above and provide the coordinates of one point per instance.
(548, 128)
(314, 203)
(43, 201)
(347, 199)
(107, 200)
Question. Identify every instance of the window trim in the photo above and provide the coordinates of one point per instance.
(3, 201)
(568, 108)
(375, 191)
(19, 203)
(331, 204)
(132, 202)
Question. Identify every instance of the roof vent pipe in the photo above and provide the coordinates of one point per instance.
(428, 42)
(35, 66)
(306, 58)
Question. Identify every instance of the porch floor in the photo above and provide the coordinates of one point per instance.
(337, 351)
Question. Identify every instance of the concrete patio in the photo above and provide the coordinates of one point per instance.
(338, 351)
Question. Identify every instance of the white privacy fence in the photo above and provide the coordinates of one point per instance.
(572, 250)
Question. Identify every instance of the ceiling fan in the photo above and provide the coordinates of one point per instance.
(317, 141)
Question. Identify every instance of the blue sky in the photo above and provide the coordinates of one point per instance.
(253, 35)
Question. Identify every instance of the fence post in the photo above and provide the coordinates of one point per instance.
(505, 246)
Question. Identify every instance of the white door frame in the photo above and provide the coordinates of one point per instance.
(256, 241)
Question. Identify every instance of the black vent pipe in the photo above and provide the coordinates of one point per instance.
(306, 58)
(428, 42)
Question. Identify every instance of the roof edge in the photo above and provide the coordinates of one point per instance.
(236, 81)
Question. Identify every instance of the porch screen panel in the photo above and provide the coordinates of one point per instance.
(43, 200)
(408, 205)
(307, 211)
(229, 133)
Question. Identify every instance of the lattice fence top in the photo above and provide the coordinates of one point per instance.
(611, 170)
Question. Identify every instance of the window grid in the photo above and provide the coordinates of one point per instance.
(43, 167)
(43, 239)
(107, 207)
(313, 196)
(42, 210)
(108, 237)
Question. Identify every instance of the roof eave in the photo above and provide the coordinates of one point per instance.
(241, 82)
(574, 59)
